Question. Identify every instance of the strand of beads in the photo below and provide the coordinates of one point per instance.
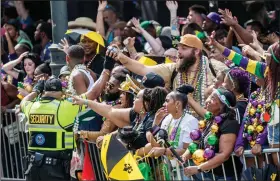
(200, 152)
(257, 116)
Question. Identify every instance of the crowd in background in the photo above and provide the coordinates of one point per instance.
(205, 72)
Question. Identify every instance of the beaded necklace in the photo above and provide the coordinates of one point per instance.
(174, 134)
(199, 88)
(70, 82)
(256, 117)
(208, 128)
(89, 63)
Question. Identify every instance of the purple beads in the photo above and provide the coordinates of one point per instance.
(208, 153)
(195, 134)
(218, 119)
(255, 103)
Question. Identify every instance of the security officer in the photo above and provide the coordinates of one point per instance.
(50, 122)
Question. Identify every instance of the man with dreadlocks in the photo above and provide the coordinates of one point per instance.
(264, 103)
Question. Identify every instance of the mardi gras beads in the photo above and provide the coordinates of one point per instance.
(200, 155)
(195, 134)
(208, 153)
(192, 147)
(256, 117)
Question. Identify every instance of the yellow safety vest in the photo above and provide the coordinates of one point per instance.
(50, 124)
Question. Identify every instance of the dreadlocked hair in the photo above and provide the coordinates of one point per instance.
(154, 98)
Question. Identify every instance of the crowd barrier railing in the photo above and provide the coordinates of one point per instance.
(174, 170)
(14, 142)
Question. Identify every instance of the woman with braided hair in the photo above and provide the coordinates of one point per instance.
(263, 109)
(140, 116)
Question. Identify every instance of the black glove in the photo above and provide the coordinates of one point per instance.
(39, 87)
(109, 63)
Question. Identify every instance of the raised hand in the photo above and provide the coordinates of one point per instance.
(113, 51)
(136, 24)
(102, 5)
(7, 35)
(172, 5)
(129, 41)
(211, 39)
(256, 44)
(227, 17)
(64, 45)
(20, 58)
(249, 51)
(160, 115)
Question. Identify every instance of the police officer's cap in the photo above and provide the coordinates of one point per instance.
(53, 84)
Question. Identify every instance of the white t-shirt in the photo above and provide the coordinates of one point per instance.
(188, 124)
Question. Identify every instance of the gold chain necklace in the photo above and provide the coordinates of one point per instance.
(89, 63)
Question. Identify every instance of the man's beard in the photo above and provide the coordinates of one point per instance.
(186, 64)
(111, 96)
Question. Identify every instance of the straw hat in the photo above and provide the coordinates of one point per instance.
(82, 22)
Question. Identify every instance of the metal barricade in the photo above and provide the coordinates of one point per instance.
(164, 169)
(14, 142)
(209, 175)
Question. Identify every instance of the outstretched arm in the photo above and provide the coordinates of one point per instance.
(228, 19)
(172, 7)
(132, 65)
(120, 117)
(158, 49)
(252, 66)
(99, 18)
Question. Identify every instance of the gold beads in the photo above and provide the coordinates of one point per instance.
(259, 128)
(251, 128)
(252, 111)
(214, 128)
(201, 124)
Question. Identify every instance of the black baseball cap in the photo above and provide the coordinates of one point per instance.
(53, 84)
(151, 80)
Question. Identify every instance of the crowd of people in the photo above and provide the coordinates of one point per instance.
(206, 84)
